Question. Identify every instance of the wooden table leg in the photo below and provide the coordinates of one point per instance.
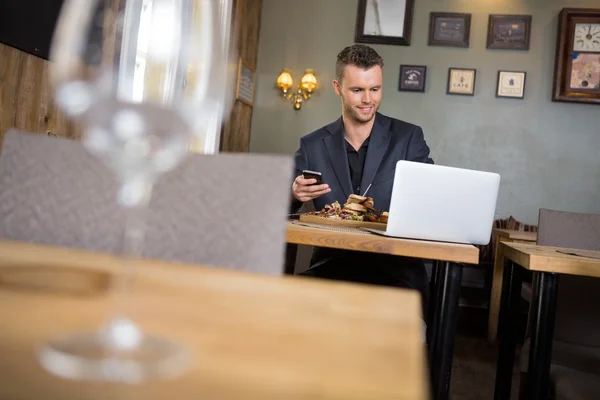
(496, 293)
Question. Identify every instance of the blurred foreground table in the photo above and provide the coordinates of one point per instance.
(251, 336)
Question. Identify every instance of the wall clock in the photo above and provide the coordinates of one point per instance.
(577, 63)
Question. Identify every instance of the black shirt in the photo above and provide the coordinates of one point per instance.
(356, 163)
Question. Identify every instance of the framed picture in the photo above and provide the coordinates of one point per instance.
(412, 78)
(510, 32)
(511, 84)
(461, 81)
(449, 29)
(244, 90)
(384, 22)
(577, 59)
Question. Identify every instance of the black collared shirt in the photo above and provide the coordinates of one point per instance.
(356, 163)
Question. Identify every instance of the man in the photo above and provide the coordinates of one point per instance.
(359, 150)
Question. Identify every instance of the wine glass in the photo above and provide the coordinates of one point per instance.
(141, 77)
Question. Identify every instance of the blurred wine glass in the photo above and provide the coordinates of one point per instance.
(141, 77)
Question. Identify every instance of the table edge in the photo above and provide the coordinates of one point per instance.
(538, 262)
(471, 250)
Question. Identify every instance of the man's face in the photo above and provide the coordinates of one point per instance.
(360, 91)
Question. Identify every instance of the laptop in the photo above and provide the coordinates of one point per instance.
(435, 202)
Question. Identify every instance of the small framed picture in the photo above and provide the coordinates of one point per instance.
(244, 90)
(412, 78)
(449, 29)
(461, 81)
(510, 32)
(511, 84)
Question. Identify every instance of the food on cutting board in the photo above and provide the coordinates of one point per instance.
(356, 208)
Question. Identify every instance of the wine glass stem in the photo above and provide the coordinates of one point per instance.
(131, 252)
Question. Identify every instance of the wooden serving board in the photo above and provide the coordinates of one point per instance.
(313, 219)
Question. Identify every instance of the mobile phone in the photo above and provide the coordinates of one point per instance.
(312, 175)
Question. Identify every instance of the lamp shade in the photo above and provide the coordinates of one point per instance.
(285, 81)
(309, 81)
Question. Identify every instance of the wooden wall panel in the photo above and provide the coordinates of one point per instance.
(235, 135)
(251, 30)
(26, 100)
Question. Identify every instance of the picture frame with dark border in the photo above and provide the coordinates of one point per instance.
(449, 29)
(245, 86)
(511, 84)
(571, 59)
(461, 81)
(369, 14)
(509, 32)
(412, 78)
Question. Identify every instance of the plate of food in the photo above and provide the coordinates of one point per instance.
(357, 212)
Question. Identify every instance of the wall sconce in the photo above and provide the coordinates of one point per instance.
(307, 85)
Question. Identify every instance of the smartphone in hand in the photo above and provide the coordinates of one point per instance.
(313, 175)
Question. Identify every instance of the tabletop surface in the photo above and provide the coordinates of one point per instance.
(251, 336)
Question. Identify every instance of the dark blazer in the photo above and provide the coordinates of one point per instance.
(391, 140)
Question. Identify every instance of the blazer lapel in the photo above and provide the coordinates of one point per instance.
(335, 145)
(378, 144)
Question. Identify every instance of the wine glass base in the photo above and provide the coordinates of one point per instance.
(90, 356)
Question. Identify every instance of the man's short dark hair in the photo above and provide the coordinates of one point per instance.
(359, 55)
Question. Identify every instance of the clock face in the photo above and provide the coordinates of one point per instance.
(587, 37)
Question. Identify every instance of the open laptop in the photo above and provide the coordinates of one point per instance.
(435, 202)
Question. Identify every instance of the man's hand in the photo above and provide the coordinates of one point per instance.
(305, 189)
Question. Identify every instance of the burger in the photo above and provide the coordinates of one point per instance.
(367, 202)
(355, 207)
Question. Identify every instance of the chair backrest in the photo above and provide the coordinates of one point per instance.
(578, 299)
(227, 210)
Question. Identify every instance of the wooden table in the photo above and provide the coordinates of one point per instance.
(445, 283)
(545, 262)
(364, 241)
(508, 236)
(251, 336)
